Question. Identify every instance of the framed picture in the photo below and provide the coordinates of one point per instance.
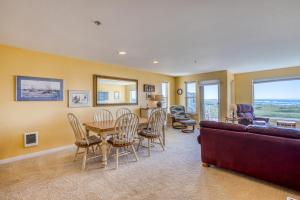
(39, 89)
(149, 96)
(116, 95)
(79, 98)
(149, 88)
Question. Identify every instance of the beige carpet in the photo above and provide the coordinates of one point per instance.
(173, 174)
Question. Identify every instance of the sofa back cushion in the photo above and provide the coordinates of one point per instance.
(275, 131)
(224, 126)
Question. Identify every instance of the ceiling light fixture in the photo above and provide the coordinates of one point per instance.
(155, 62)
(122, 53)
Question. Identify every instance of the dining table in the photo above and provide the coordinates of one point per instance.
(105, 128)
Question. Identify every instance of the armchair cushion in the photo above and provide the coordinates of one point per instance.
(178, 113)
(245, 113)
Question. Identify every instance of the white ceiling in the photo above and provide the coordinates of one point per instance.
(237, 35)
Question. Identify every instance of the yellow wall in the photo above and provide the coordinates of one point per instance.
(222, 76)
(49, 118)
(243, 81)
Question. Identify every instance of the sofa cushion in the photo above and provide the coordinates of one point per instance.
(275, 131)
(224, 126)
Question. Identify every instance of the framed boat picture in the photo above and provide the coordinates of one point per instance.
(79, 98)
(39, 89)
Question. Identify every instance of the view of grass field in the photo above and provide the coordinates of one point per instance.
(278, 99)
(286, 109)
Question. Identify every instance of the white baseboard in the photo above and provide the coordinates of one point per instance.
(36, 154)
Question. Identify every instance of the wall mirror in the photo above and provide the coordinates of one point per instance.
(109, 91)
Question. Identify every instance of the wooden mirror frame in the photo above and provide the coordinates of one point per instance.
(95, 89)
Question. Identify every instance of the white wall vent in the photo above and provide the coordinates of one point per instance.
(31, 139)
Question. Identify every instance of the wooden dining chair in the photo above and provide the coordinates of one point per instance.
(82, 140)
(122, 111)
(125, 129)
(103, 115)
(154, 129)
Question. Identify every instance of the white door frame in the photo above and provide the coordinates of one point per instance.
(201, 88)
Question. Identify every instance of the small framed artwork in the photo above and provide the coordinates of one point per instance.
(116, 95)
(149, 88)
(79, 98)
(149, 96)
(39, 89)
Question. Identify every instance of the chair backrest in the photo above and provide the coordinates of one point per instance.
(126, 127)
(103, 115)
(80, 134)
(245, 111)
(157, 121)
(122, 111)
(177, 110)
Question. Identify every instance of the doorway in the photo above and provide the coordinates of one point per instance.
(210, 100)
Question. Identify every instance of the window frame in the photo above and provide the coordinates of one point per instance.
(167, 90)
(186, 97)
(276, 79)
(130, 95)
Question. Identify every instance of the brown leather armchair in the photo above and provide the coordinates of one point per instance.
(245, 114)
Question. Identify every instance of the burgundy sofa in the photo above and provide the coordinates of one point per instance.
(268, 153)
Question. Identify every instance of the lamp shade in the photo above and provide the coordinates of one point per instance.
(233, 107)
(157, 97)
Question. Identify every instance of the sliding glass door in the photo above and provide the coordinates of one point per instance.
(210, 100)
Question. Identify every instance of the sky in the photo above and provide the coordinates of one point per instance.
(288, 89)
(211, 91)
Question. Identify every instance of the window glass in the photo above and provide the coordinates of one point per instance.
(190, 97)
(277, 99)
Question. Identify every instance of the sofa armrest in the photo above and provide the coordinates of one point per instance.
(266, 119)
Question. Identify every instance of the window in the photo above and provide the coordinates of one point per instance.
(190, 97)
(277, 98)
(133, 96)
(102, 96)
(165, 95)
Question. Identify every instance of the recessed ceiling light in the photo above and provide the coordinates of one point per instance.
(122, 53)
(155, 62)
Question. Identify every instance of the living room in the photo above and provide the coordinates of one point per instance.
(210, 89)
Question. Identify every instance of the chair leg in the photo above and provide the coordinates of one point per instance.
(117, 158)
(84, 158)
(137, 149)
(109, 149)
(126, 151)
(136, 157)
(77, 150)
(205, 164)
(161, 143)
(149, 147)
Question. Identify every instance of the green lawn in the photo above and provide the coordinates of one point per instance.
(278, 111)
